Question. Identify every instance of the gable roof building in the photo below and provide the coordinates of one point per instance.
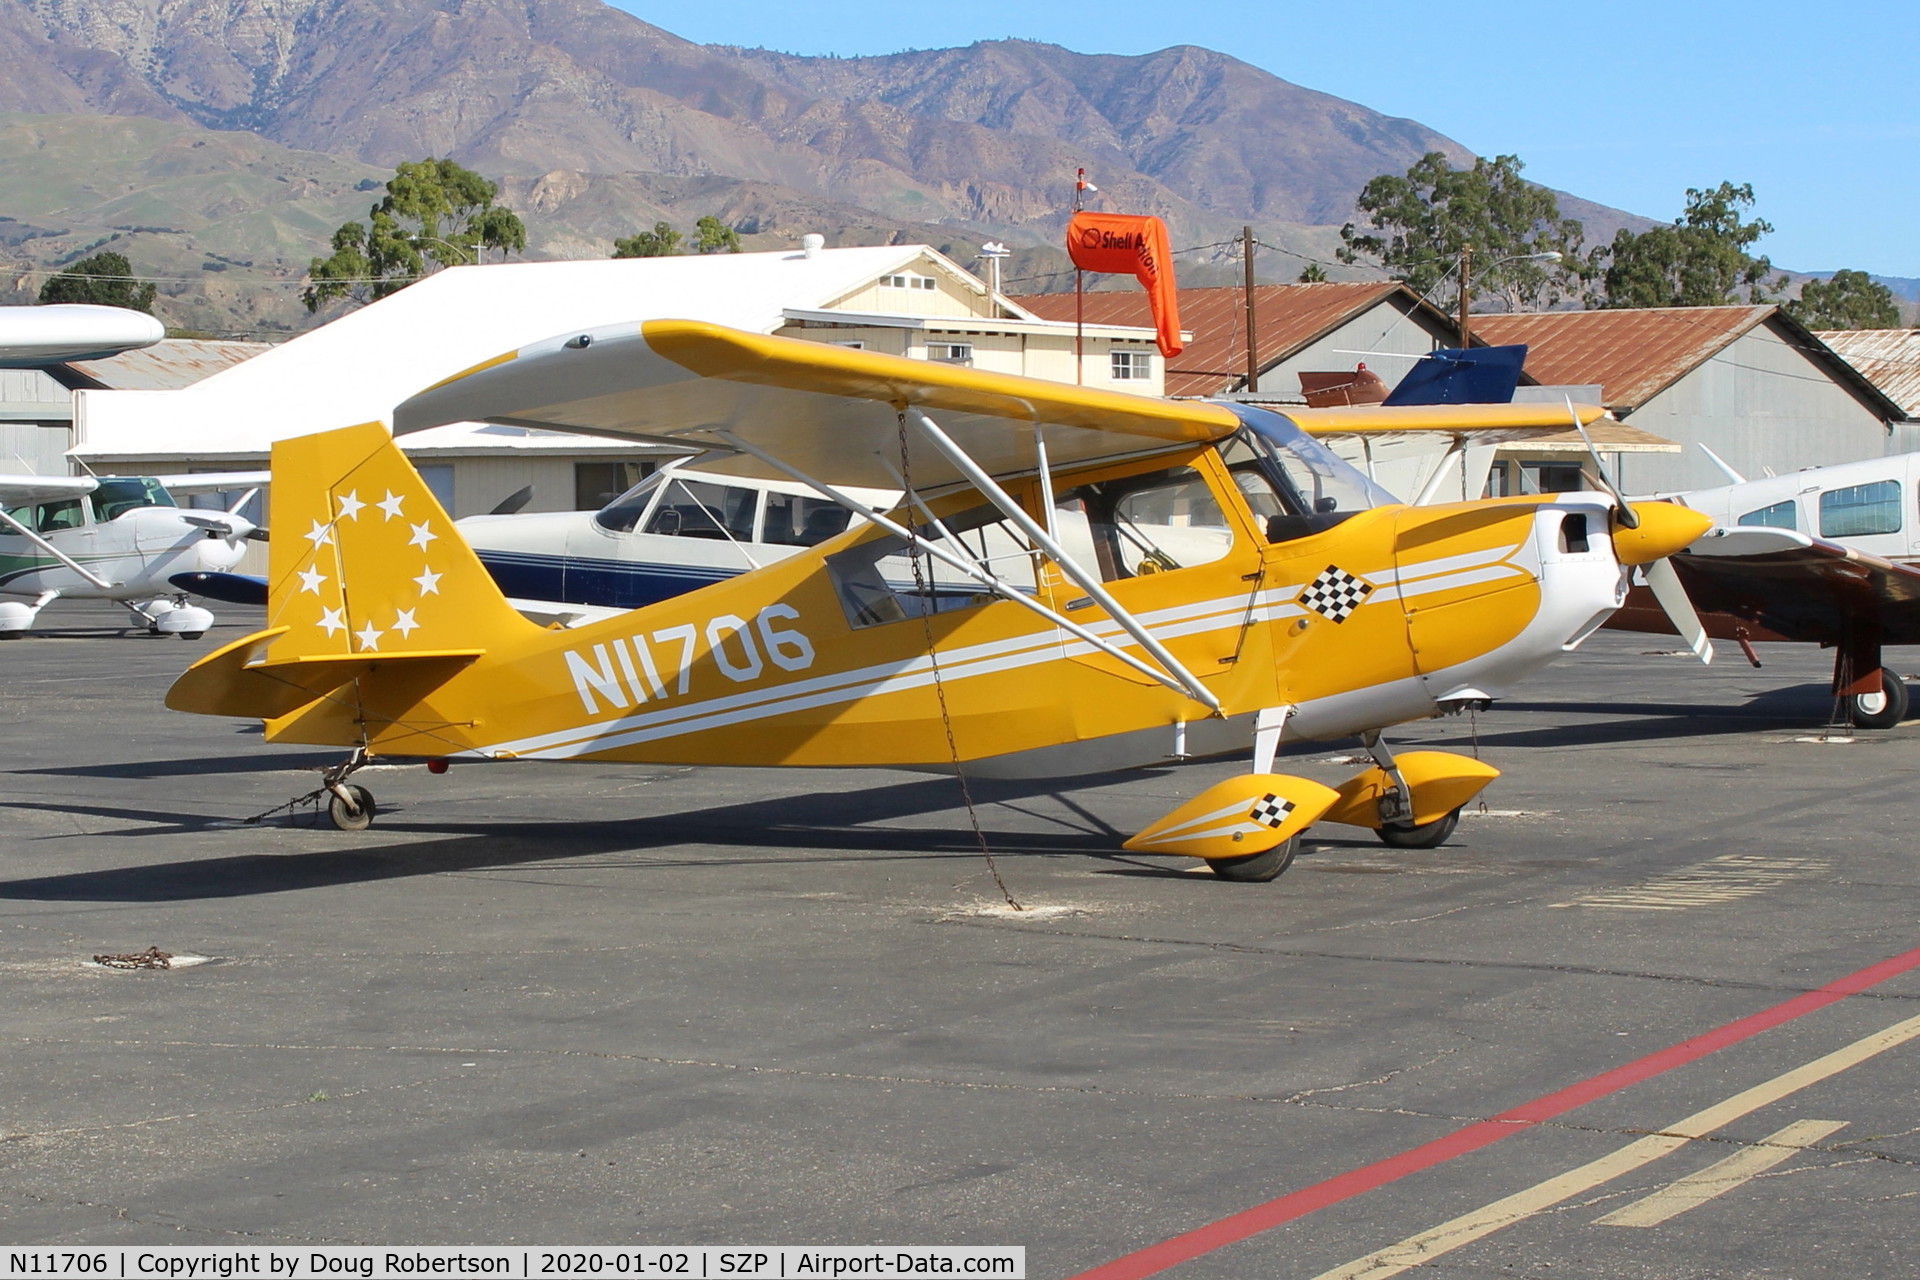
(1888, 358)
(1749, 382)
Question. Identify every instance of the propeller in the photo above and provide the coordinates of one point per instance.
(1648, 535)
(234, 528)
(513, 502)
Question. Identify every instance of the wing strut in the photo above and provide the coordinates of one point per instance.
(973, 569)
(1187, 682)
(1431, 489)
(56, 553)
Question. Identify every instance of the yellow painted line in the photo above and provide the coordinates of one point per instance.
(1721, 1176)
(1469, 1227)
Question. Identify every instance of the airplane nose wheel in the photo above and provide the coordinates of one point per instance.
(354, 816)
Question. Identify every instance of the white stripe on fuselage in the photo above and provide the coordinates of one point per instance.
(1032, 649)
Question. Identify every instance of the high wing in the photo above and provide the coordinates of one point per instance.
(1777, 584)
(1464, 423)
(215, 481)
(833, 412)
(18, 491)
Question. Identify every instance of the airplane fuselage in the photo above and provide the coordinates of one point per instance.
(135, 553)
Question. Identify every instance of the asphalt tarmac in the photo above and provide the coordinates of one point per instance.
(539, 1004)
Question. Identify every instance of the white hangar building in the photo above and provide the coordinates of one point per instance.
(906, 300)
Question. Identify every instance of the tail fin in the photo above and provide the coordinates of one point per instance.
(369, 586)
(365, 561)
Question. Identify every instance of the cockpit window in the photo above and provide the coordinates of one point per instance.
(624, 512)
(1294, 484)
(1144, 524)
(699, 509)
(1781, 515)
(118, 496)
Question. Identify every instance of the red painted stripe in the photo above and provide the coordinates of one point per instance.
(1297, 1204)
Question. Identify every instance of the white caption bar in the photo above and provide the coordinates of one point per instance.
(547, 1262)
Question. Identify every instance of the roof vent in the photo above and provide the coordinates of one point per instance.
(812, 243)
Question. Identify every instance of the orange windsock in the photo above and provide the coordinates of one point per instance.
(1135, 244)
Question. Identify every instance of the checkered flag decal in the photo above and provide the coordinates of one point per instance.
(1335, 593)
(1272, 811)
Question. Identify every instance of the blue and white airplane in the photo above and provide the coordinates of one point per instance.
(671, 533)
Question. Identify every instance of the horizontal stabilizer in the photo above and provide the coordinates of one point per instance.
(238, 681)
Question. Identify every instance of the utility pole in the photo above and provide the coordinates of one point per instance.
(1253, 358)
(1466, 294)
(1079, 293)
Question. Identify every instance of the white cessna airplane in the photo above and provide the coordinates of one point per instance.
(118, 538)
(123, 538)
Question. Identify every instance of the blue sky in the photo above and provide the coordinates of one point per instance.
(1628, 103)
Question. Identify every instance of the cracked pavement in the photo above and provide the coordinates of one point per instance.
(542, 1005)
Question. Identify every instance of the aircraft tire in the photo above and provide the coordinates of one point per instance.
(191, 635)
(1425, 835)
(1881, 710)
(341, 817)
(1257, 868)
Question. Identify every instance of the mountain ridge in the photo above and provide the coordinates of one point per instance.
(976, 141)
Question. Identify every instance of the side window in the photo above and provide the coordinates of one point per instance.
(1860, 510)
(1144, 524)
(1781, 515)
(695, 509)
(795, 520)
(878, 582)
(55, 517)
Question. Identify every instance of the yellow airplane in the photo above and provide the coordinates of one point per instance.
(1075, 581)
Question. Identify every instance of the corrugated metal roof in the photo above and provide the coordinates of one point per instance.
(1286, 318)
(167, 365)
(1888, 358)
(1632, 354)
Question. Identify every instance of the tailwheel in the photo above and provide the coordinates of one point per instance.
(1881, 710)
(1257, 868)
(355, 817)
(1419, 835)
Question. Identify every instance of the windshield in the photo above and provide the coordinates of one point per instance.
(1315, 489)
(118, 496)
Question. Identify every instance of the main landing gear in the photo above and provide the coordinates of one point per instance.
(1881, 710)
(1397, 828)
(1257, 868)
(1870, 696)
(1248, 827)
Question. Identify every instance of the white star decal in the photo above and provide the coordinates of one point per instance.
(421, 536)
(310, 580)
(368, 636)
(319, 534)
(391, 505)
(403, 622)
(350, 505)
(429, 582)
(331, 621)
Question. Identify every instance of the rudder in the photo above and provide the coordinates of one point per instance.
(364, 559)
